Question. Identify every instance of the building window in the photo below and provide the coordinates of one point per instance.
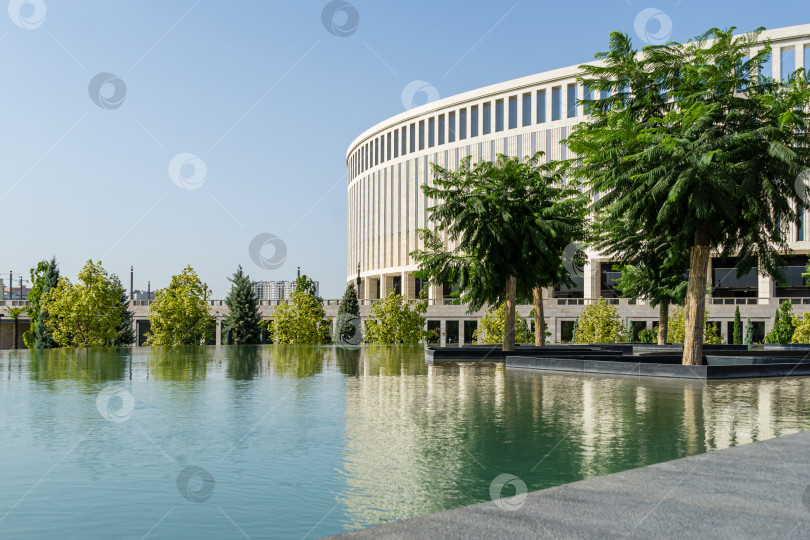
(513, 117)
(527, 110)
(451, 127)
(556, 103)
(800, 223)
(462, 124)
(767, 67)
(572, 101)
(396, 144)
(413, 138)
(422, 135)
(788, 62)
(431, 132)
(499, 115)
(487, 119)
(474, 121)
(404, 140)
(388, 147)
(441, 129)
(541, 106)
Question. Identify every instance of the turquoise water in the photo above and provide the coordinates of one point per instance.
(297, 442)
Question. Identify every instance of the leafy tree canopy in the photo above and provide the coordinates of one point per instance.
(87, 314)
(393, 319)
(179, 314)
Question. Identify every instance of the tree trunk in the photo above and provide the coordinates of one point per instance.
(509, 315)
(663, 322)
(539, 320)
(696, 299)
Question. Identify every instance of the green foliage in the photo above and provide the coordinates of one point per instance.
(749, 331)
(179, 313)
(783, 326)
(43, 278)
(88, 314)
(648, 335)
(490, 328)
(737, 338)
(694, 148)
(393, 319)
(599, 323)
(348, 317)
(243, 310)
(509, 219)
(677, 328)
(301, 320)
(125, 333)
(801, 323)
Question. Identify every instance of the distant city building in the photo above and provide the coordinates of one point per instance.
(142, 295)
(3, 288)
(276, 290)
(15, 292)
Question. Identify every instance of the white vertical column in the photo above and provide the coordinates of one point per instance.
(591, 279)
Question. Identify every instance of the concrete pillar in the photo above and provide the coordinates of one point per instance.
(370, 288)
(591, 280)
(408, 286)
(442, 333)
(218, 334)
(386, 284)
(766, 289)
(435, 294)
(461, 338)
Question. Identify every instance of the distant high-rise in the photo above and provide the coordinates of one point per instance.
(276, 290)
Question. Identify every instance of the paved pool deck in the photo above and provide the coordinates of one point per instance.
(758, 490)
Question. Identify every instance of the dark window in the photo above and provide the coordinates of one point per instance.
(541, 106)
(462, 124)
(451, 127)
(527, 110)
(451, 331)
(441, 129)
(396, 143)
(469, 329)
(422, 135)
(499, 115)
(431, 132)
(413, 138)
(556, 103)
(474, 121)
(566, 331)
(572, 101)
(434, 330)
(487, 128)
(513, 117)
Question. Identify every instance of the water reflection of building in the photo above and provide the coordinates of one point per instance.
(422, 440)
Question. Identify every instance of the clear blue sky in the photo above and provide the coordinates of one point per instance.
(268, 99)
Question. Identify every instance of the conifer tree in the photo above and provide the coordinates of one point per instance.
(749, 331)
(348, 317)
(43, 278)
(125, 335)
(738, 336)
(243, 317)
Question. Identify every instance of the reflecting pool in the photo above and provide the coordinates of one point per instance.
(274, 441)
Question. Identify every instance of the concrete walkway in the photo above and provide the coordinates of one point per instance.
(759, 490)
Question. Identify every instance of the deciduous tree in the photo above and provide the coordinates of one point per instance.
(179, 314)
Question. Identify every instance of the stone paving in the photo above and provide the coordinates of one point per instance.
(759, 490)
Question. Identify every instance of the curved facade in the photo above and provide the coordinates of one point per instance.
(389, 162)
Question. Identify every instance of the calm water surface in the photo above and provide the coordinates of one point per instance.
(273, 441)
